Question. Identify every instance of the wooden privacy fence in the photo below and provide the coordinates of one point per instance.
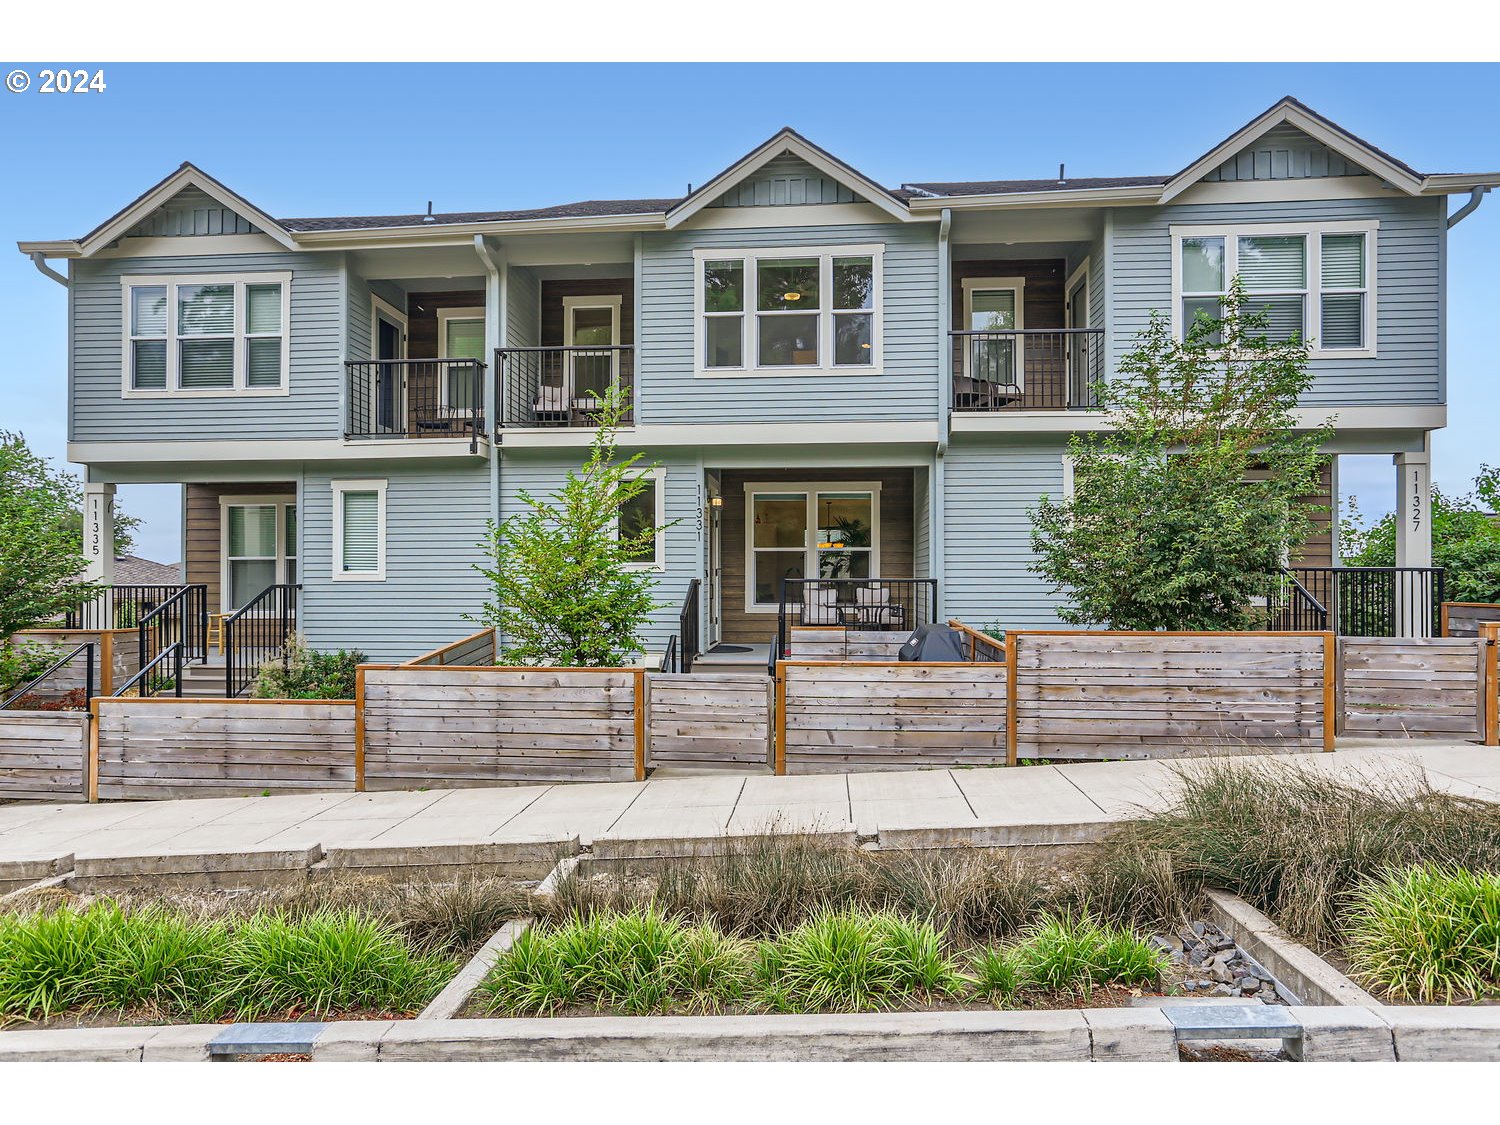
(453, 725)
(838, 717)
(1403, 687)
(703, 720)
(823, 642)
(163, 747)
(1463, 619)
(1169, 695)
(472, 650)
(119, 656)
(43, 755)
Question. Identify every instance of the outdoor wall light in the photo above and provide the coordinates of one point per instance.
(716, 501)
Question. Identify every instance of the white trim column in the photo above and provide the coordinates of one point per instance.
(1414, 540)
(99, 531)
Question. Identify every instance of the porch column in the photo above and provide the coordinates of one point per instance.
(99, 531)
(1413, 542)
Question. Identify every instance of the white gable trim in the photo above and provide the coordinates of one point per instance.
(1286, 113)
(162, 193)
(785, 142)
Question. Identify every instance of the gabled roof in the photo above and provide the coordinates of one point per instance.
(153, 197)
(788, 140)
(1292, 112)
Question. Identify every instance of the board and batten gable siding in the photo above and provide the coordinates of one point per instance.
(786, 181)
(1284, 153)
(435, 524)
(192, 211)
(990, 486)
(99, 412)
(1408, 315)
(906, 390)
(541, 476)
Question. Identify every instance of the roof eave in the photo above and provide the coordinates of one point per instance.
(1082, 197)
(57, 248)
(463, 232)
(1448, 183)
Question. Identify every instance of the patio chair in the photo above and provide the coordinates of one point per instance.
(820, 605)
(873, 607)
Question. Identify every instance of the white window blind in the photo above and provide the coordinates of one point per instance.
(148, 337)
(203, 334)
(1343, 300)
(361, 532)
(263, 341)
(1271, 268)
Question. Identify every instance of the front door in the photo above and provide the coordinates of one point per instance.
(387, 376)
(592, 331)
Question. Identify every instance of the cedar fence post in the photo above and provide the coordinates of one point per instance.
(1012, 725)
(359, 729)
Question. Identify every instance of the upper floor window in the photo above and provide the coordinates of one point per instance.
(214, 334)
(1311, 280)
(808, 309)
(461, 332)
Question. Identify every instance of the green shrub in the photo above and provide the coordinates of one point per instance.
(1428, 933)
(846, 961)
(22, 663)
(1067, 954)
(181, 965)
(309, 675)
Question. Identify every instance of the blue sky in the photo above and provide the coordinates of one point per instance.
(354, 138)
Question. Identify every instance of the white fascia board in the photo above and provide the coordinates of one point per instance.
(1345, 419)
(733, 434)
(164, 191)
(1283, 113)
(249, 451)
(1083, 197)
(785, 142)
(1448, 183)
(452, 234)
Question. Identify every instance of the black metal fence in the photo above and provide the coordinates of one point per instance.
(687, 625)
(1293, 606)
(163, 674)
(1027, 369)
(182, 617)
(1364, 601)
(876, 604)
(89, 651)
(118, 607)
(542, 387)
(415, 398)
(256, 633)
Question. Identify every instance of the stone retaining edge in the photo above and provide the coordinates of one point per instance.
(449, 1002)
(1330, 1034)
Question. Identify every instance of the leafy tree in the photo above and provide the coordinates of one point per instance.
(563, 591)
(1465, 540)
(1165, 529)
(41, 556)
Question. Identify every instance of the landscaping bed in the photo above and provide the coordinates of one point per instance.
(334, 949)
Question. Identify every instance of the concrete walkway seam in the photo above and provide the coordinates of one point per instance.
(451, 1000)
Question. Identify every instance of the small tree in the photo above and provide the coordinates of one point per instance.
(563, 590)
(1187, 509)
(41, 551)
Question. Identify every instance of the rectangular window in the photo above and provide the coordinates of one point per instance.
(798, 310)
(359, 530)
(462, 337)
(207, 335)
(259, 547)
(806, 531)
(642, 513)
(1311, 280)
(1343, 297)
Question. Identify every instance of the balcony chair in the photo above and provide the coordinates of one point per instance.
(873, 608)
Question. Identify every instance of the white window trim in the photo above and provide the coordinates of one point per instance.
(825, 254)
(239, 280)
(657, 475)
(281, 501)
(1018, 285)
(809, 547)
(610, 301)
(336, 565)
(1313, 307)
(381, 309)
(443, 318)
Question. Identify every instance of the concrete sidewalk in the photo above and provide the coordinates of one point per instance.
(1029, 805)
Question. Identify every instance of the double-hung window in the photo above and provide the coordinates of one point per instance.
(359, 530)
(1310, 280)
(214, 334)
(789, 311)
(259, 546)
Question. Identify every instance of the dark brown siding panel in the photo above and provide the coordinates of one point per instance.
(204, 537)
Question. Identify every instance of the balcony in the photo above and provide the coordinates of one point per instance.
(1026, 369)
(415, 398)
(552, 387)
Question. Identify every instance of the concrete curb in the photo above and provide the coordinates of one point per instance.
(1329, 1034)
(1312, 979)
(449, 1002)
(22, 872)
(250, 868)
(524, 859)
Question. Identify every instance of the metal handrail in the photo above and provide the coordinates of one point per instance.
(192, 599)
(687, 625)
(253, 609)
(26, 688)
(669, 657)
(1318, 607)
(174, 651)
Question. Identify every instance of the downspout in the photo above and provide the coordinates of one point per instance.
(1475, 198)
(494, 333)
(936, 508)
(39, 260)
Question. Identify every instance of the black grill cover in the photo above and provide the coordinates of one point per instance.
(933, 642)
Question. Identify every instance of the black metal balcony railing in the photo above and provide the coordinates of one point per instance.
(1361, 601)
(541, 387)
(259, 631)
(883, 604)
(1026, 369)
(118, 607)
(415, 398)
